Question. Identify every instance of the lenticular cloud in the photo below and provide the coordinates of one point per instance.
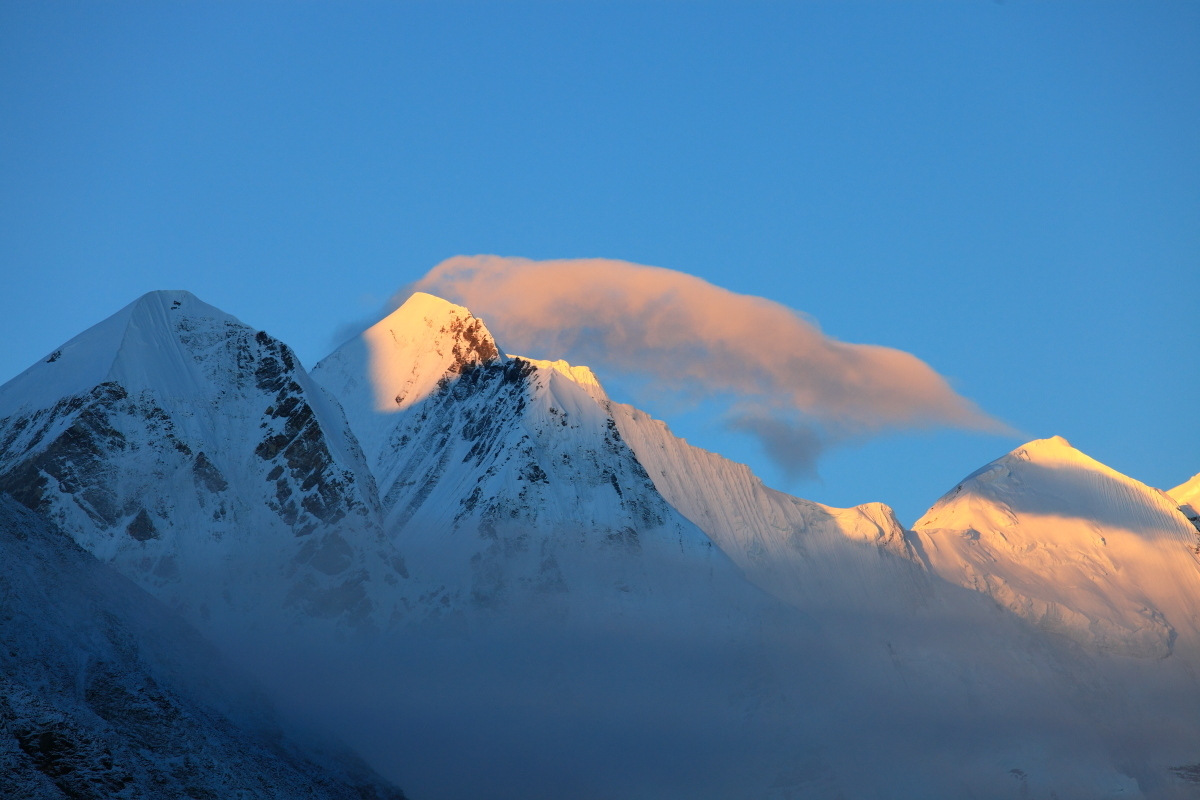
(690, 335)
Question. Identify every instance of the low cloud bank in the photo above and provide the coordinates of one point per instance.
(805, 389)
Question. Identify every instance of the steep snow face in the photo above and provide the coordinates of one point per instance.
(502, 481)
(195, 455)
(1074, 547)
(802, 552)
(105, 693)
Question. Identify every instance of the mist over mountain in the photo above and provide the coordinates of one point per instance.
(105, 693)
(491, 579)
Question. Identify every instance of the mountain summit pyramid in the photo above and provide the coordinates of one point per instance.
(196, 455)
(1073, 546)
(502, 480)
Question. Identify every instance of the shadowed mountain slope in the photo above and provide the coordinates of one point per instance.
(105, 693)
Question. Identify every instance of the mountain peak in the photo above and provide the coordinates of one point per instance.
(1054, 453)
(456, 332)
(1052, 447)
(403, 359)
(426, 303)
(1187, 495)
(144, 333)
(407, 353)
(1055, 441)
(1071, 545)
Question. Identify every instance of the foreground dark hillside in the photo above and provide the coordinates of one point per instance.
(105, 693)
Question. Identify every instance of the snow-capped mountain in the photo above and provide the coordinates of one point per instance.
(195, 454)
(544, 566)
(503, 480)
(787, 546)
(105, 693)
(1073, 546)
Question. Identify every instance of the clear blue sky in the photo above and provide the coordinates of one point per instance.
(1010, 191)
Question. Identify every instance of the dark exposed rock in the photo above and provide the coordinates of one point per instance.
(84, 433)
(207, 475)
(142, 527)
(1189, 773)
(300, 444)
(76, 459)
(473, 345)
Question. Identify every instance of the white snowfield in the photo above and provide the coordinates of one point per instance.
(1074, 547)
(538, 566)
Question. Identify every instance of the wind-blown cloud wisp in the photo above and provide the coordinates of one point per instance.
(787, 383)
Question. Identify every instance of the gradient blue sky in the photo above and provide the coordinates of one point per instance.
(1010, 191)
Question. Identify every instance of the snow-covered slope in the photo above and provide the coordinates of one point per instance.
(105, 693)
(195, 455)
(804, 553)
(1187, 495)
(502, 480)
(1074, 547)
(1188, 491)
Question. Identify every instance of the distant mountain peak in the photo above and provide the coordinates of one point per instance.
(1071, 545)
(452, 330)
(159, 437)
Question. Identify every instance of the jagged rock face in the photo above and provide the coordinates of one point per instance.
(104, 693)
(202, 461)
(1074, 547)
(505, 483)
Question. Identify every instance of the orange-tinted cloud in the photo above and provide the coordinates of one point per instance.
(689, 335)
